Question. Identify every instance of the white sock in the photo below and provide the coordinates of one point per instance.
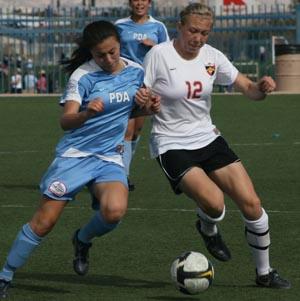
(209, 224)
(258, 238)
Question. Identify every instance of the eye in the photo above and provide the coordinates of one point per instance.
(193, 30)
(99, 55)
(205, 33)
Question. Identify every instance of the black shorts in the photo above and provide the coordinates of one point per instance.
(175, 163)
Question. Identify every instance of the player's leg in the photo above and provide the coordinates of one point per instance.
(30, 237)
(127, 154)
(234, 181)
(132, 138)
(211, 209)
(111, 193)
(138, 126)
(180, 168)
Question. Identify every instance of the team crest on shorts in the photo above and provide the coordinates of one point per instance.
(58, 188)
(210, 68)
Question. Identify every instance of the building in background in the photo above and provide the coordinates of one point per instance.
(247, 6)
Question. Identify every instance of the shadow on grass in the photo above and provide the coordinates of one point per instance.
(182, 297)
(99, 280)
(177, 298)
(39, 288)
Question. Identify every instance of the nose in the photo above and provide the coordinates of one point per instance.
(108, 59)
(199, 37)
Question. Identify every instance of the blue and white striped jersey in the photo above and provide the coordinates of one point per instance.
(133, 33)
(103, 134)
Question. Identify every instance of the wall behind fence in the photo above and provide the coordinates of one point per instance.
(38, 39)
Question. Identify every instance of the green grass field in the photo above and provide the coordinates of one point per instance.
(133, 262)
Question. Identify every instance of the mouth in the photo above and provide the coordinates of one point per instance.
(140, 9)
(196, 46)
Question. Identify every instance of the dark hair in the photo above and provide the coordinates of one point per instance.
(93, 34)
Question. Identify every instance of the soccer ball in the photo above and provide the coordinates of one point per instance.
(192, 273)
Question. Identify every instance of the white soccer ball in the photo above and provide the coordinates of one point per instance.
(192, 273)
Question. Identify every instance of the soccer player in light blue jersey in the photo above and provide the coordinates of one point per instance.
(138, 32)
(102, 92)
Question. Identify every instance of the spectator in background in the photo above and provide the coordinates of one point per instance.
(41, 84)
(30, 82)
(262, 54)
(4, 74)
(19, 61)
(29, 64)
(16, 82)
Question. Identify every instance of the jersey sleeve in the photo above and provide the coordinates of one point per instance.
(163, 35)
(226, 72)
(75, 91)
(150, 65)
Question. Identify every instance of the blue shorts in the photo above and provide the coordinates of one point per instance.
(65, 177)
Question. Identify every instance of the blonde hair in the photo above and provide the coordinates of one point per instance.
(196, 9)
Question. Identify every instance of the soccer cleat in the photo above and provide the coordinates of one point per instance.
(81, 252)
(215, 244)
(4, 286)
(272, 280)
(131, 186)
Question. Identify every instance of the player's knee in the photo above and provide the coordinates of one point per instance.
(251, 208)
(129, 135)
(137, 133)
(42, 226)
(113, 215)
(214, 206)
(214, 211)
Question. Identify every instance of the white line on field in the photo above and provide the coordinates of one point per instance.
(147, 209)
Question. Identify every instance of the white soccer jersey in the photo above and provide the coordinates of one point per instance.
(185, 87)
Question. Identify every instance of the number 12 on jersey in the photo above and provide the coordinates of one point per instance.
(194, 89)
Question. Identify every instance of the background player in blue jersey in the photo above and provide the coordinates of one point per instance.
(138, 32)
(97, 103)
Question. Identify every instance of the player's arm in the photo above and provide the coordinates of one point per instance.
(254, 90)
(72, 118)
(147, 103)
(148, 42)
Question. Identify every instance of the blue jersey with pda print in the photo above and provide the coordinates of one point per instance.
(103, 134)
(133, 33)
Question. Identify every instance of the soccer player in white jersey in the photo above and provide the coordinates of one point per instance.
(139, 32)
(97, 102)
(189, 148)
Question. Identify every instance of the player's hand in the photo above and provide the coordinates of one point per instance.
(148, 42)
(155, 103)
(266, 84)
(95, 106)
(142, 96)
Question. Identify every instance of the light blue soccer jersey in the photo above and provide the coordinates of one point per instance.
(133, 33)
(103, 134)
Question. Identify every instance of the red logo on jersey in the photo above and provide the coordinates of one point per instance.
(210, 68)
(235, 2)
